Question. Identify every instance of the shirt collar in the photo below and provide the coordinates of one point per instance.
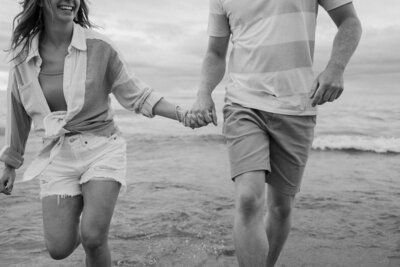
(78, 42)
(78, 38)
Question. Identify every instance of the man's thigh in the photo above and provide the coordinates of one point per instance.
(291, 138)
(246, 139)
(277, 144)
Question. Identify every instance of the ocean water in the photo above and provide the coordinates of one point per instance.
(365, 118)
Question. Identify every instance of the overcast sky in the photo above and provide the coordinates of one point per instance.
(165, 40)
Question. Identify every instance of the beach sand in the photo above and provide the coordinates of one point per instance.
(178, 210)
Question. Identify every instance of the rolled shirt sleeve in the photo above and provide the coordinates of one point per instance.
(332, 4)
(132, 93)
(17, 128)
(218, 23)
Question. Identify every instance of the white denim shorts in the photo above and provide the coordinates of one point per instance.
(83, 158)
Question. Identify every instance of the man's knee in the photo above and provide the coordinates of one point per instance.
(250, 205)
(250, 194)
(281, 212)
(280, 205)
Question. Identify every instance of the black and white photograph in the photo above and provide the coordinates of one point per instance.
(199, 133)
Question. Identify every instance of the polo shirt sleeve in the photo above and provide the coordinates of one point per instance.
(131, 92)
(17, 128)
(332, 4)
(218, 23)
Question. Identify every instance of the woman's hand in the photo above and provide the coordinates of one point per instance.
(204, 109)
(7, 180)
(201, 114)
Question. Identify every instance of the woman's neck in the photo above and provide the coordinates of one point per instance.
(57, 36)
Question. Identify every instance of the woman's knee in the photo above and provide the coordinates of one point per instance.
(60, 250)
(93, 238)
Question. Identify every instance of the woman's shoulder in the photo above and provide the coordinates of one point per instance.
(19, 54)
(95, 36)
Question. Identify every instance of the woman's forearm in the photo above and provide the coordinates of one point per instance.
(165, 109)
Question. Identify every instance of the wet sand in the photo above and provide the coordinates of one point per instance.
(178, 210)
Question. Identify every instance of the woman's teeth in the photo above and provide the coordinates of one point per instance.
(69, 8)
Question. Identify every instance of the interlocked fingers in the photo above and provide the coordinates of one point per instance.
(196, 119)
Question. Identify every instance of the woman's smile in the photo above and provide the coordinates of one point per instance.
(66, 7)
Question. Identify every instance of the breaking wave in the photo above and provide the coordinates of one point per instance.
(357, 143)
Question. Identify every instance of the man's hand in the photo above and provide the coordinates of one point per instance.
(202, 112)
(328, 86)
(7, 180)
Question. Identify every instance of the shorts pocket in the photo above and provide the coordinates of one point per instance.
(227, 111)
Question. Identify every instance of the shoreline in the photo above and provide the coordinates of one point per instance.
(209, 136)
(178, 210)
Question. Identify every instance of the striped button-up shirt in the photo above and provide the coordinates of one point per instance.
(93, 69)
(270, 66)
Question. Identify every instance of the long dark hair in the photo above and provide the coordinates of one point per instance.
(29, 22)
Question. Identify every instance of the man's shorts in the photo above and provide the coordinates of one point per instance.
(278, 144)
(83, 158)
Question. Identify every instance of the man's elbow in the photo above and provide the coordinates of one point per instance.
(216, 56)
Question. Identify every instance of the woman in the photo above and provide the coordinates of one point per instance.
(61, 77)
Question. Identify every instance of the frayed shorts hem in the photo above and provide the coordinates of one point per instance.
(60, 194)
(76, 192)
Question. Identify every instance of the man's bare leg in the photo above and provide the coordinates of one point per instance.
(250, 238)
(277, 222)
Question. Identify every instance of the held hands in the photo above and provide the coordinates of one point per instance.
(201, 114)
(328, 86)
(7, 180)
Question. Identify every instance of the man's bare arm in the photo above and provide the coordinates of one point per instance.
(329, 84)
(212, 72)
(213, 68)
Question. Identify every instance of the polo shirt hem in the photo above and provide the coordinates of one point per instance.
(288, 112)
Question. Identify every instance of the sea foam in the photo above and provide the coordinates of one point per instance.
(356, 142)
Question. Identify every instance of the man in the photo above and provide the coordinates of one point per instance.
(270, 106)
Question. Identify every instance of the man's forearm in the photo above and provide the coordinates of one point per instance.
(345, 43)
(212, 72)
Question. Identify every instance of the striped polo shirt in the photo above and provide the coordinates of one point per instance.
(270, 66)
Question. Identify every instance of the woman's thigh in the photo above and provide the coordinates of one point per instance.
(61, 221)
(100, 197)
